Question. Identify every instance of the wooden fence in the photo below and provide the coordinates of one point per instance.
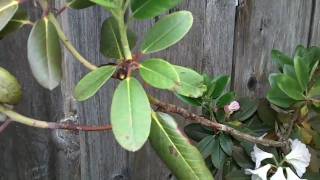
(228, 37)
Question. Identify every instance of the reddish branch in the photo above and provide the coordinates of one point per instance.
(4, 125)
(170, 108)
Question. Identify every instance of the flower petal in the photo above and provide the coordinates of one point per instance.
(291, 175)
(259, 155)
(299, 157)
(259, 174)
(278, 175)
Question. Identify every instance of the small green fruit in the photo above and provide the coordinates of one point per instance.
(10, 89)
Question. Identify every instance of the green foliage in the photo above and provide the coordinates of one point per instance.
(92, 82)
(44, 54)
(10, 89)
(109, 4)
(7, 10)
(19, 19)
(146, 9)
(167, 32)
(130, 114)
(79, 4)
(182, 158)
(110, 42)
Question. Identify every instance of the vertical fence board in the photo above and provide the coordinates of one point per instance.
(315, 28)
(261, 26)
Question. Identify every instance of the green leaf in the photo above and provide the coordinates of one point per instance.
(181, 157)
(237, 175)
(79, 4)
(313, 69)
(281, 58)
(240, 156)
(315, 89)
(167, 32)
(145, 9)
(302, 72)
(130, 114)
(205, 146)
(10, 89)
(266, 114)
(225, 99)
(191, 83)
(290, 87)
(108, 4)
(197, 132)
(44, 54)
(7, 10)
(248, 107)
(221, 83)
(226, 144)
(18, 20)
(189, 100)
(289, 70)
(110, 43)
(92, 82)
(160, 74)
(217, 156)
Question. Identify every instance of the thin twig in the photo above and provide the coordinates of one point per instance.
(4, 125)
(170, 108)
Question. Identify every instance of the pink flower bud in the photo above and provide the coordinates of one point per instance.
(232, 107)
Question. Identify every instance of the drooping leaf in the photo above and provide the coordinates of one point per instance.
(167, 32)
(181, 157)
(290, 87)
(197, 132)
(110, 43)
(302, 72)
(92, 82)
(217, 156)
(145, 9)
(205, 146)
(18, 20)
(225, 99)
(10, 89)
(44, 54)
(7, 10)
(79, 4)
(248, 107)
(226, 144)
(130, 114)
(221, 83)
(189, 100)
(191, 83)
(281, 58)
(160, 74)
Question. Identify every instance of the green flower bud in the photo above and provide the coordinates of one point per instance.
(10, 89)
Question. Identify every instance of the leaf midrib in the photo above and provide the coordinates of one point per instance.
(8, 5)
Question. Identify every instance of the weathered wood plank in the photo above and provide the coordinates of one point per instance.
(315, 29)
(263, 25)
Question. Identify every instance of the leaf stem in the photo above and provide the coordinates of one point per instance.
(69, 45)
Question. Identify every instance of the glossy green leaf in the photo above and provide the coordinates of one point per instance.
(248, 107)
(266, 113)
(226, 144)
(191, 83)
(130, 114)
(237, 175)
(289, 70)
(10, 89)
(221, 83)
(92, 82)
(217, 156)
(225, 99)
(18, 20)
(145, 9)
(7, 10)
(315, 89)
(189, 100)
(79, 4)
(240, 156)
(160, 74)
(44, 54)
(205, 146)
(197, 132)
(110, 43)
(181, 157)
(108, 4)
(290, 87)
(281, 58)
(302, 72)
(167, 32)
(313, 69)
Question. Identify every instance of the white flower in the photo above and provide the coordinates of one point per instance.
(259, 155)
(259, 174)
(299, 157)
(232, 107)
(291, 175)
(278, 175)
